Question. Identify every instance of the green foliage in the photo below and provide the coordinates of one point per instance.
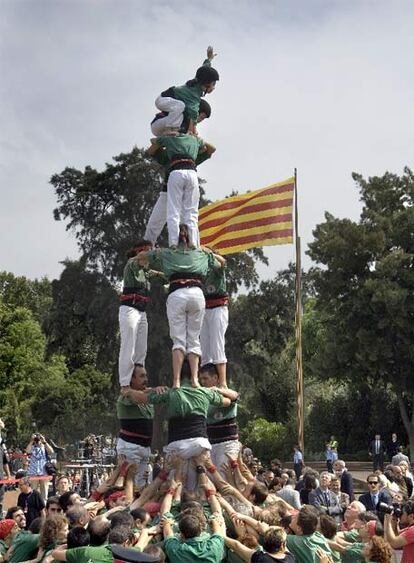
(366, 290)
(84, 318)
(267, 439)
(36, 295)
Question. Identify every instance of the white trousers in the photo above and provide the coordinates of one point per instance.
(187, 449)
(175, 109)
(134, 453)
(158, 219)
(185, 311)
(133, 326)
(219, 451)
(183, 196)
(212, 336)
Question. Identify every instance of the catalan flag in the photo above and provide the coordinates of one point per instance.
(259, 218)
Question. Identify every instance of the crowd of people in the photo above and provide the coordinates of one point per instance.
(239, 511)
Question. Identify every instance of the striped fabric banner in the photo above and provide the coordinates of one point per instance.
(259, 218)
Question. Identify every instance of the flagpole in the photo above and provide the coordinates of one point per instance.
(298, 329)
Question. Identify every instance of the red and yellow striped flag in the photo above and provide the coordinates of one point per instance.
(259, 218)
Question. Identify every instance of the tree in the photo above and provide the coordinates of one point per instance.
(83, 322)
(365, 291)
(36, 295)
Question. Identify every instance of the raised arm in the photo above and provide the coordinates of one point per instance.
(245, 553)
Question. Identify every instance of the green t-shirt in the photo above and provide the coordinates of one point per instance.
(208, 549)
(352, 536)
(353, 553)
(135, 276)
(191, 96)
(217, 414)
(215, 283)
(181, 145)
(3, 547)
(187, 400)
(90, 554)
(182, 261)
(25, 545)
(128, 409)
(304, 547)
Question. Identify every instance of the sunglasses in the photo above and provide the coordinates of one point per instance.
(55, 509)
(372, 482)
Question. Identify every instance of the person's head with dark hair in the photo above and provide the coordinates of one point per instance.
(121, 519)
(193, 509)
(378, 550)
(53, 506)
(141, 517)
(78, 537)
(63, 484)
(121, 535)
(204, 111)
(209, 375)
(155, 551)
(190, 526)
(275, 540)
(276, 484)
(139, 379)
(327, 526)
(16, 513)
(36, 525)
(188, 496)
(77, 515)
(54, 531)
(408, 507)
(139, 246)
(258, 493)
(98, 530)
(207, 76)
(309, 482)
(68, 499)
(307, 520)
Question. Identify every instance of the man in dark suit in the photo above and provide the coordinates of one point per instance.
(393, 447)
(376, 451)
(324, 499)
(343, 474)
(371, 499)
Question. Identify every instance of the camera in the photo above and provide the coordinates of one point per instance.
(395, 508)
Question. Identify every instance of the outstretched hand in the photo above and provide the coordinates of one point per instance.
(210, 53)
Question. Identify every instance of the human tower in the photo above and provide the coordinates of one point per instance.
(197, 303)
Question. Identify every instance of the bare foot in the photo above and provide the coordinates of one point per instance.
(195, 383)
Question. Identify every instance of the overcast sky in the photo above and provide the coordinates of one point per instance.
(324, 86)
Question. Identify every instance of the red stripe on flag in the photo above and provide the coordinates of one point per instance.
(254, 238)
(254, 208)
(247, 225)
(239, 203)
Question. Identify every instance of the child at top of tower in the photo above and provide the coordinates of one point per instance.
(180, 104)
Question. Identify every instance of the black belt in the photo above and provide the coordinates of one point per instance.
(191, 426)
(223, 431)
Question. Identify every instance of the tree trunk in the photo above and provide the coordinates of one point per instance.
(408, 421)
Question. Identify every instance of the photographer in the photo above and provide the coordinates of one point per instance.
(401, 538)
(39, 451)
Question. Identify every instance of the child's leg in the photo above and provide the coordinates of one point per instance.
(174, 205)
(191, 198)
(157, 219)
(174, 108)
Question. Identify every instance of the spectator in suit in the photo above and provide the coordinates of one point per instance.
(376, 451)
(345, 476)
(371, 499)
(324, 499)
(309, 485)
(342, 497)
(289, 495)
(394, 446)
